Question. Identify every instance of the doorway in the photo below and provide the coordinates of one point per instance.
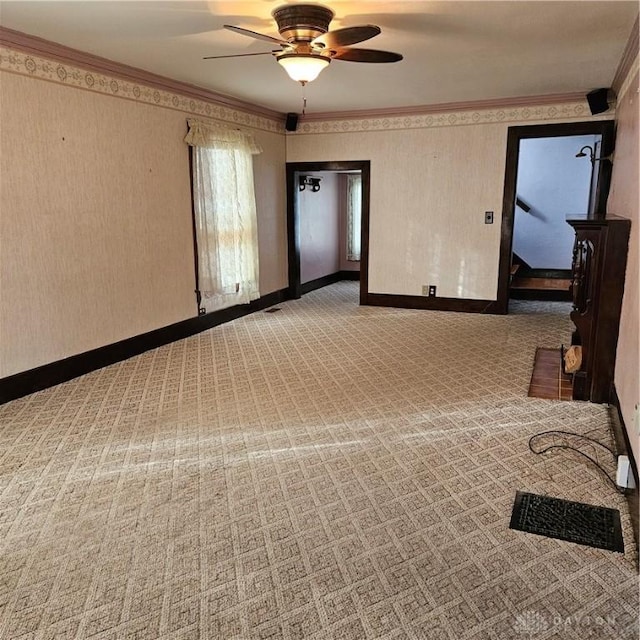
(296, 170)
(521, 138)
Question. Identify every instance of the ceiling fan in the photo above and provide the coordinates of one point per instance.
(306, 44)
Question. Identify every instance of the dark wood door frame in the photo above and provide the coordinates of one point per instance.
(603, 127)
(293, 219)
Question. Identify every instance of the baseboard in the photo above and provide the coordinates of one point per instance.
(623, 447)
(318, 283)
(48, 375)
(325, 281)
(433, 303)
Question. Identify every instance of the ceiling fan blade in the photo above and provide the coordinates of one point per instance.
(240, 55)
(255, 34)
(346, 36)
(366, 55)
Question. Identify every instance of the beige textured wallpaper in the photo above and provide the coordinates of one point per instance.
(624, 201)
(430, 186)
(271, 207)
(429, 191)
(95, 220)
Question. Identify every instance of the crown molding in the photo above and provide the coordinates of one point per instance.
(633, 74)
(629, 56)
(50, 61)
(18, 41)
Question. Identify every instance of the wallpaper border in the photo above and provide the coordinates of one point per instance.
(42, 68)
(61, 72)
(535, 114)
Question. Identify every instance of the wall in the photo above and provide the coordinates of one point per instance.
(623, 200)
(323, 228)
(319, 216)
(554, 183)
(432, 178)
(271, 207)
(96, 227)
(95, 210)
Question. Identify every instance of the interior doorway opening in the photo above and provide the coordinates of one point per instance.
(552, 171)
(556, 177)
(327, 241)
(329, 215)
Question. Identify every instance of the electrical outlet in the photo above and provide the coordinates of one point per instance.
(201, 311)
(432, 290)
(425, 289)
(488, 217)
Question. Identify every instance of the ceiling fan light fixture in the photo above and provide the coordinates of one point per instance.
(303, 67)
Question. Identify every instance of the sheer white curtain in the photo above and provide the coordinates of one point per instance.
(354, 216)
(225, 214)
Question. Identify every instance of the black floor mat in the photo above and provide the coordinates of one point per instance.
(572, 521)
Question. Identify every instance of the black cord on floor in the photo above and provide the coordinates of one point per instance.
(566, 446)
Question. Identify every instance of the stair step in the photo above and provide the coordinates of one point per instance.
(541, 284)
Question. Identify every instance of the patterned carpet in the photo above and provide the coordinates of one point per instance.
(326, 472)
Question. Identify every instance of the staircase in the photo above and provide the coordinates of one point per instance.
(538, 284)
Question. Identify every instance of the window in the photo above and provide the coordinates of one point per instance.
(225, 215)
(354, 216)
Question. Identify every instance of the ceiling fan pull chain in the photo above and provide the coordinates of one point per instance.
(304, 101)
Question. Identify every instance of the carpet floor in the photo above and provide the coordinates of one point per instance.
(325, 472)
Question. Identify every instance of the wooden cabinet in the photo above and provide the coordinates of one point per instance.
(598, 270)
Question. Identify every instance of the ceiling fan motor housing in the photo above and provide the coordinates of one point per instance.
(302, 22)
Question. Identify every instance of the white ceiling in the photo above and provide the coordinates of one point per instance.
(453, 51)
